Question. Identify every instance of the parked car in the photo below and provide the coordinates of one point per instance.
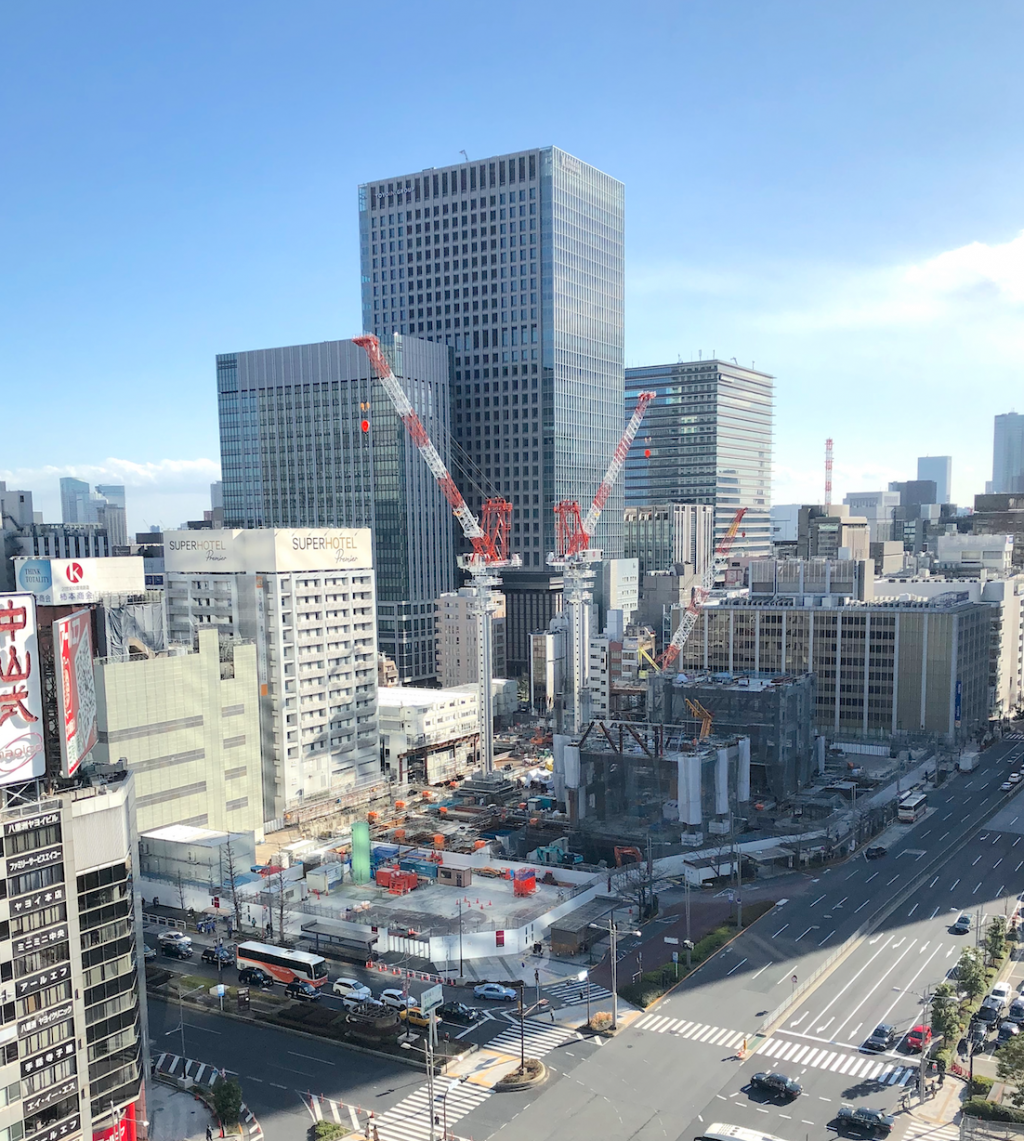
(875, 852)
(989, 1011)
(299, 988)
(359, 1002)
(458, 1012)
(179, 950)
(255, 976)
(1015, 778)
(778, 1085)
(882, 1037)
(1001, 991)
(1005, 786)
(1016, 1011)
(874, 1121)
(397, 998)
(1007, 1031)
(962, 925)
(219, 956)
(978, 1034)
(493, 990)
(918, 1038)
(148, 953)
(351, 988)
(414, 1016)
(165, 938)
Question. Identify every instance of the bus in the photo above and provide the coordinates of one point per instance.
(912, 807)
(720, 1132)
(282, 964)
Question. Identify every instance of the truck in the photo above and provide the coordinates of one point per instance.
(968, 762)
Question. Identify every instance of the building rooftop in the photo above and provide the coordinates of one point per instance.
(400, 696)
(184, 834)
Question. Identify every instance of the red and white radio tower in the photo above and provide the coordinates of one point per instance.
(828, 473)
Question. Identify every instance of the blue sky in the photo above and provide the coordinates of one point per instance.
(831, 190)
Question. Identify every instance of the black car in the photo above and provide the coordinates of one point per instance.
(979, 1034)
(882, 1037)
(297, 988)
(458, 1012)
(872, 1121)
(989, 1014)
(962, 926)
(778, 1085)
(255, 976)
(177, 950)
(219, 956)
(876, 852)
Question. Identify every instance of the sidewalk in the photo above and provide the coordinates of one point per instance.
(177, 1116)
(944, 1107)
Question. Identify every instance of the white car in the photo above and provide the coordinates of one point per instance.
(395, 997)
(493, 990)
(352, 988)
(1001, 991)
(1005, 786)
(167, 937)
(1015, 778)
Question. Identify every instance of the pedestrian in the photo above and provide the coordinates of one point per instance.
(209, 1132)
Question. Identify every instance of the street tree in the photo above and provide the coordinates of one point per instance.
(227, 1100)
(231, 873)
(1010, 1068)
(945, 1013)
(970, 973)
(995, 938)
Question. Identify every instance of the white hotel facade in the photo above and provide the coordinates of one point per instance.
(305, 597)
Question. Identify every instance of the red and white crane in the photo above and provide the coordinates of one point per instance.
(700, 593)
(576, 560)
(488, 536)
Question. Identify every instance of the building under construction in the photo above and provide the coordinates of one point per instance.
(633, 779)
(776, 713)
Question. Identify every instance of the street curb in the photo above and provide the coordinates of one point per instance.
(718, 951)
(411, 1062)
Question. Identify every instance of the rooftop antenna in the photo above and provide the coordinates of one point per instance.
(464, 155)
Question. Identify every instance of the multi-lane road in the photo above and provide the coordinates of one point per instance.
(676, 1068)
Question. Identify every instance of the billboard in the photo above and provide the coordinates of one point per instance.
(21, 701)
(268, 550)
(57, 582)
(76, 688)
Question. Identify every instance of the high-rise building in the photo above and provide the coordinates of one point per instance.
(112, 493)
(69, 943)
(938, 469)
(666, 535)
(310, 439)
(305, 596)
(706, 438)
(1008, 454)
(457, 649)
(516, 262)
(75, 505)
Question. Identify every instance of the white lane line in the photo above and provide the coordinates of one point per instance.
(943, 836)
(737, 967)
(644, 1022)
(875, 986)
(827, 937)
(934, 913)
(862, 906)
(934, 882)
(997, 863)
(817, 901)
(954, 883)
(975, 892)
(800, 936)
(893, 880)
(799, 1056)
(871, 877)
(847, 1063)
(975, 860)
(912, 910)
(763, 969)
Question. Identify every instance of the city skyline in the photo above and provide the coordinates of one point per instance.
(815, 267)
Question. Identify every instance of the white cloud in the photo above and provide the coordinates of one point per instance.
(158, 492)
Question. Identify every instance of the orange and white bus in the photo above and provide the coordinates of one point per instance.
(283, 965)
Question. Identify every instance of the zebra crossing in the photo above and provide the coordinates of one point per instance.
(868, 1069)
(918, 1130)
(541, 1038)
(576, 992)
(698, 1031)
(1014, 737)
(409, 1120)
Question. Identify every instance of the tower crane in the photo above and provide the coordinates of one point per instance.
(488, 537)
(576, 560)
(700, 593)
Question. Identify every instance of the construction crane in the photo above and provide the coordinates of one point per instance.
(700, 593)
(488, 537)
(702, 714)
(576, 560)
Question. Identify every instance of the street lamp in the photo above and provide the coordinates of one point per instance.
(584, 976)
(613, 931)
(181, 1017)
(444, 1103)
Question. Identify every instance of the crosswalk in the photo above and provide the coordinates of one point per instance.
(918, 1130)
(541, 1038)
(1014, 737)
(202, 1073)
(576, 992)
(864, 1068)
(698, 1031)
(409, 1120)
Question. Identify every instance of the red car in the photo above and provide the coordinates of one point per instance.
(918, 1038)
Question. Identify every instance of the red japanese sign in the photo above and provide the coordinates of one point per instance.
(76, 688)
(21, 706)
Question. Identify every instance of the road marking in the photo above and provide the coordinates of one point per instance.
(780, 930)
(1017, 841)
(1000, 891)
(764, 968)
(817, 901)
(853, 1032)
(943, 836)
(800, 936)
(862, 906)
(737, 967)
(912, 910)
(954, 883)
(825, 1025)
(827, 937)
(797, 1021)
(976, 859)
(871, 877)
(996, 864)
(309, 1057)
(462, 1034)
(894, 879)
(934, 913)
(975, 892)
(934, 882)
(841, 902)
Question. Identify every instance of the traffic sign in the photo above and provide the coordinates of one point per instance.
(672, 939)
(432, 997)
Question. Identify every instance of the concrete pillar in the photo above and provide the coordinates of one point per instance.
(689, 789)
(722, 782)
(743, 776)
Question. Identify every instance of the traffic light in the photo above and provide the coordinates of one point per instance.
(216, 901)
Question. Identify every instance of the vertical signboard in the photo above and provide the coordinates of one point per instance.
(76, 688)
(21, 702)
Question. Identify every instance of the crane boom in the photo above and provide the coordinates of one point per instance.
(700, 593)
(470, 526)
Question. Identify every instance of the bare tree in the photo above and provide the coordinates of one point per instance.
(232, 876)
(279, 878)
(181, 892)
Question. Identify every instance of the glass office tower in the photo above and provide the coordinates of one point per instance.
(294, 453)
(709, 435)
(516, 262)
